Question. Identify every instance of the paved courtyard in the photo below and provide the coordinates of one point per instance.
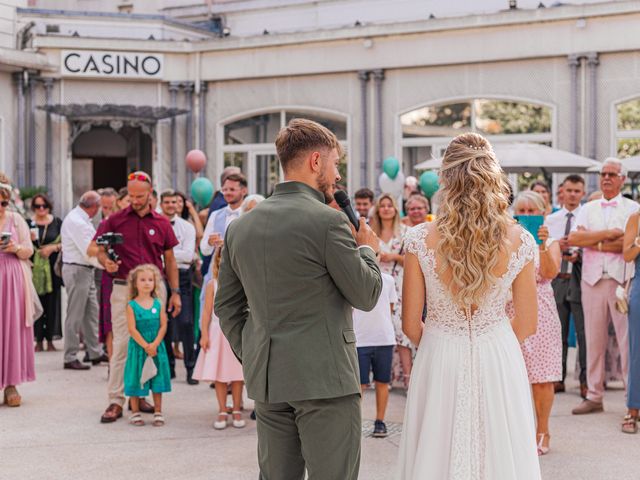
(56, 434)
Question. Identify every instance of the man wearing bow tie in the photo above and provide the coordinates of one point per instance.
(600, 230)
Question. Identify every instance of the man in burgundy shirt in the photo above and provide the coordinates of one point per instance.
(148, 237)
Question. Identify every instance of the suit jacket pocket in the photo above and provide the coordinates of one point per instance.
(349, 335)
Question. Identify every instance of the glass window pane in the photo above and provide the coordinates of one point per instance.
(628, 147)
(258, 129)
(629, 115)
(268, 174)
(337, 125)
(237, 159)
(494, 117)
(411, 156)
(437, 121)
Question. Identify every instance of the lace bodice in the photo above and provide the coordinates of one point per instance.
(442, 313)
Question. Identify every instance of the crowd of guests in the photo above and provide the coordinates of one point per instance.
(141, 304)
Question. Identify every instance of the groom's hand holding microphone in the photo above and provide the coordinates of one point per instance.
(361, 231)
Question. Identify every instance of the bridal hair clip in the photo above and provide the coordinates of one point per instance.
(6, 186)
(476, 147)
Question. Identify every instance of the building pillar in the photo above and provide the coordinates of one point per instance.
(202, 125)
(378, 78)
(188, 92)
(592, 64)
(31, 131)
(574, 64)
(48, 153)
(20, 134)
(173, 99)
(363, 76)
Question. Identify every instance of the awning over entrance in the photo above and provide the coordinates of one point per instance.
(76, 111)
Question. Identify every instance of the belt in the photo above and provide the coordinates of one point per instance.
(564, 276)
(78, 265)
(119, 281)
(184, 267)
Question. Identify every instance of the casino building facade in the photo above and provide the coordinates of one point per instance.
(86, 97)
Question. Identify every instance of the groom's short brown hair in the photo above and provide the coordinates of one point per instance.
(300, 136)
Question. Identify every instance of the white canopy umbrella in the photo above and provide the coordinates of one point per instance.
(632, 164)
(525, 157)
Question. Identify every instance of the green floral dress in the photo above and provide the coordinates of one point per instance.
(148, 324)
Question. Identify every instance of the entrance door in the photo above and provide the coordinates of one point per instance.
(264, 172)
(109, 172)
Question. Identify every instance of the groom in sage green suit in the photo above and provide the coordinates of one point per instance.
(290, 274)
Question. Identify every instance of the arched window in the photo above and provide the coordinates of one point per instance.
(627, 135)
(248, 143)
(426, 131)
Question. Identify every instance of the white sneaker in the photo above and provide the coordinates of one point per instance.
(221, 424)
(238, 423)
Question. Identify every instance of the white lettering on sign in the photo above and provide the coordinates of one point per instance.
(84, 63)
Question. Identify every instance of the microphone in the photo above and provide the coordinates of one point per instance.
(342, 199)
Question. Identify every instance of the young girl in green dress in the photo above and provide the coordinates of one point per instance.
(147, 323)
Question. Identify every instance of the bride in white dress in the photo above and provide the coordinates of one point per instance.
(469, 414)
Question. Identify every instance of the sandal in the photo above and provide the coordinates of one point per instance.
(136, 420)
(158, 419)
(11, 397)
(630, 424)
(238, 422)
(221, 423)
(542, 450)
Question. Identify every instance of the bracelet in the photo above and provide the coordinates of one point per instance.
(599, 246)
(18, 248)
(545, 249)
(636, 242)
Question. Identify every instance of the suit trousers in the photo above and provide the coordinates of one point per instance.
(180, 328)
(119, 301)
(82, 312)
(566, 308)
(321, 436)
(598, 303)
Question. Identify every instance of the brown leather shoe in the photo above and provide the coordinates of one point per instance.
(143, 405)
(584, 390)
(111, 414)
(587, 406)
(76, 365)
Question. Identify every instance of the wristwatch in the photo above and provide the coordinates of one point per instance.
(175, 290)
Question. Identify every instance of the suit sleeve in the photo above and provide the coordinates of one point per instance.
(231, 304)
(354, 271)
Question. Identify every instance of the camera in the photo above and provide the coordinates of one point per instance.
(108, 240)
(5, 237)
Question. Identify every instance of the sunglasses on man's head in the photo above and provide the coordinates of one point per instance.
(141, 177)
(4, 203)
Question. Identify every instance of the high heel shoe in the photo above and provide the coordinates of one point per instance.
(221, 423)
(542, 450)
(11, 397)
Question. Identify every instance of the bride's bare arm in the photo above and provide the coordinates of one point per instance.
(413, 297)
(525, 303)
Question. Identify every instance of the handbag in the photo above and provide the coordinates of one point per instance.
(622, 293)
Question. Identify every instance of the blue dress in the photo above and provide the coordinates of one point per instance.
(633, 383)
(148, 324)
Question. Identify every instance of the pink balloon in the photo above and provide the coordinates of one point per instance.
(196, 160)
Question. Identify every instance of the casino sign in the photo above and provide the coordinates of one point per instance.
(103, 64)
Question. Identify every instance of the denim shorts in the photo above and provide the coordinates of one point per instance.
(377, 359)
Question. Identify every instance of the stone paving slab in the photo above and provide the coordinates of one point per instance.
(56, 434)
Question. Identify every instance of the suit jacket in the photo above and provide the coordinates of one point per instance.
(289, 277)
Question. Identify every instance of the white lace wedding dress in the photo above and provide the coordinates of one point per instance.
(469, 413)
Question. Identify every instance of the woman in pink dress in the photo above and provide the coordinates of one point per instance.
(216, 361)
(543, 351)
(16, 300)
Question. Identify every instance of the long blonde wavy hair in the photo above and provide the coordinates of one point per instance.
(375, 222)
(472, 217)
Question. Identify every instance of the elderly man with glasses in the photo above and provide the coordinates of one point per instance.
(600, 229)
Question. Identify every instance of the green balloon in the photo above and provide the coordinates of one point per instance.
(202, 191)
(429, 183)
(391, 166)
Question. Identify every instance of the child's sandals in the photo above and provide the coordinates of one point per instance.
(238, 422)
(158, 419)
(136, 420)
(221, 423)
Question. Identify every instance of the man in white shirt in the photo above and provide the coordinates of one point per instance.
(77, 233)
(234, 190)
(375, 341)
(600, 231)
(181, 327)
(566, 286)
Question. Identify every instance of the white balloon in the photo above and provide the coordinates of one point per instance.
(392, 186)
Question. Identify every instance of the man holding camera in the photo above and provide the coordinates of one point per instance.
(147, 237)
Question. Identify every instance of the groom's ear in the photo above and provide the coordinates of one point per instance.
(314, 160)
